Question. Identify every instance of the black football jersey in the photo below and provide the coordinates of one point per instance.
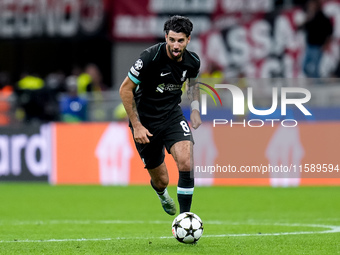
(160, 81)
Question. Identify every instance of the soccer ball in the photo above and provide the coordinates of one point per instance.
(187, 227)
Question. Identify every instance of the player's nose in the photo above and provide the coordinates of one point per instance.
(176, 45)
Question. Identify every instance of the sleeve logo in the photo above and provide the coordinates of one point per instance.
(138, 64)
(133, 70)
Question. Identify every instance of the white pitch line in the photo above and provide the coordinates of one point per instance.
(329, 229)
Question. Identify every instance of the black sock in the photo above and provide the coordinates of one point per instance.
(159, 192)
(185, 190)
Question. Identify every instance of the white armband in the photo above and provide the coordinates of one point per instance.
(195, 105)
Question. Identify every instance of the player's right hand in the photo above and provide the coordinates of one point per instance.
(141, 134)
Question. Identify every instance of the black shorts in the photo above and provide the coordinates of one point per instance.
(164, 136)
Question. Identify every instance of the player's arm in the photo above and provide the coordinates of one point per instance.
(140, 133)
(194, 97)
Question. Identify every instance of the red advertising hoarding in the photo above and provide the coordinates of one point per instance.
(104, 153)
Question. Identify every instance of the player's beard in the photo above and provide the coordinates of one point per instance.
(176, 57)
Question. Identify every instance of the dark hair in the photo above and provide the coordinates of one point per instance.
(178, 24)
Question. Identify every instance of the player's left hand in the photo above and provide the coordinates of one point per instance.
(195, 119)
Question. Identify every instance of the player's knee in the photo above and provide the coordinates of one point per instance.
(161, 183)
(184, 165)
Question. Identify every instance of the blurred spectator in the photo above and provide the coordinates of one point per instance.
(73, 108)
(97, 85)
(55, 81)
(96, 76)
(54, 85)
(6, 91)
(30, 98)
(90, 80)
(319, 30)
(84, 83)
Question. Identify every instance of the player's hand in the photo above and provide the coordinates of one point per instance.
(140, 134)
(195, 119)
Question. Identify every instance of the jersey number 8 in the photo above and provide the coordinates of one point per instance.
(185, 126)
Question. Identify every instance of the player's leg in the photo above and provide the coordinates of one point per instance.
(159, 182)
(159, 177)
(152, 155)
(182, 152)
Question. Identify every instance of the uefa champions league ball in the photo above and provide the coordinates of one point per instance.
(187, 227)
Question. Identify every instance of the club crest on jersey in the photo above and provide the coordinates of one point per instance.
(139, 64)
(184, 75)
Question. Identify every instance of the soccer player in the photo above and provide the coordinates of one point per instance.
(151, 94)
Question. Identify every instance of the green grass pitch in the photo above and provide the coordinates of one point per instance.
(43, 219)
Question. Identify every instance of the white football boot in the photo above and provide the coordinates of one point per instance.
(168, 203)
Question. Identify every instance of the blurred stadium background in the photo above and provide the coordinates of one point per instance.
(55, 51)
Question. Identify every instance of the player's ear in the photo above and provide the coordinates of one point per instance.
(189, 38)
(166, 36)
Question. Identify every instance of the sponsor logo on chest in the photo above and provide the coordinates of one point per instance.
(168, 87)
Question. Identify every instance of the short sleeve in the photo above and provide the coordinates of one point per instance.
(139, 69)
